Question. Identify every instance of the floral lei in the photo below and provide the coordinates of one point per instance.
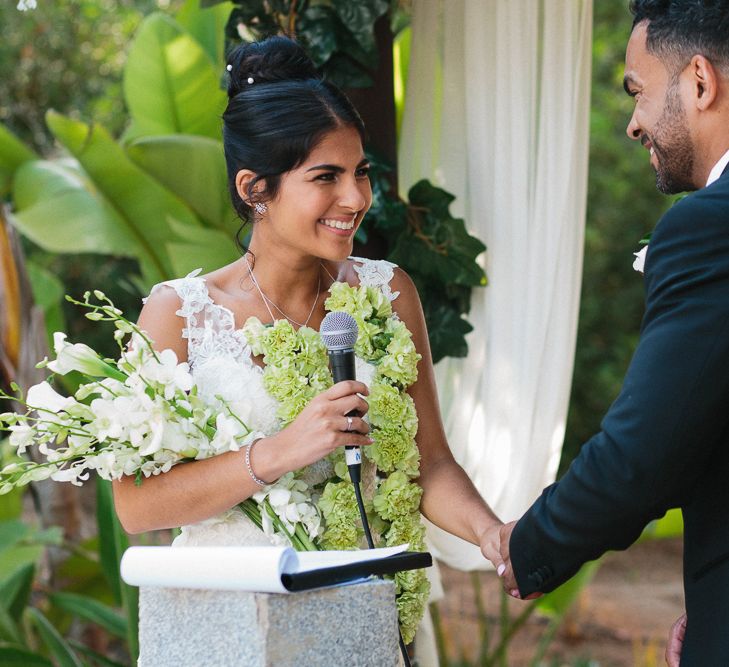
(296, 370)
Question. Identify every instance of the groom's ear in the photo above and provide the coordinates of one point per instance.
(704, 81)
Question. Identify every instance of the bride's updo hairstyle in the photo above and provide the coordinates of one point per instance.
(279, 108)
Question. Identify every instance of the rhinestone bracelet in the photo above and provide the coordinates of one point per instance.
(249, 447)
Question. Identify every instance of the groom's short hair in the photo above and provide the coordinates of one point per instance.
(677, 30)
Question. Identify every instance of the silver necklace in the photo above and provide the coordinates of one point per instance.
(267, 301)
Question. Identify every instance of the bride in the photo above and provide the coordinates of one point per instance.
(297, 171)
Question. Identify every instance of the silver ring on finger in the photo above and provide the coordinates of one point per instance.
(349, 424)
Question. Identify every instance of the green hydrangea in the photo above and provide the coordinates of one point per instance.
(352, 300)
(393, 449)
(255, 332)
(341, 470)
(338, 502)
(380, 304)
(407, 529)
(365, 346)
(338, 506)
(311, 357)
(320, 380)
(400, 364)
(341, 537)
(281, 341)
(290, 409)
(389, 406)
(410, 580)
(411, 607)
(397, 497)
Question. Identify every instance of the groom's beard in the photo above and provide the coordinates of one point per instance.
(673, 147)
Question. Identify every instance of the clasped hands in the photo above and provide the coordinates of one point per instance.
(495, 547)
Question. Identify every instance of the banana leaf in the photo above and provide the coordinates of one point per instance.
(170, 83)
(203, 182)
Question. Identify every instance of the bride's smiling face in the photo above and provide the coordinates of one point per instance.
(321, 203)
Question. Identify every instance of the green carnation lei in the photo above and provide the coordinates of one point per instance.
(296, 370)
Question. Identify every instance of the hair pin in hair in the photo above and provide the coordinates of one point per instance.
(229, 68)
(250, 79)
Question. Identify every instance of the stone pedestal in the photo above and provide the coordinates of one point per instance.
(352, 625)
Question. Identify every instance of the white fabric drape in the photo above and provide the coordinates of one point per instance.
(496, 112)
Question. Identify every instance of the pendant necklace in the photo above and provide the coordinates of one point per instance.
(267, 301)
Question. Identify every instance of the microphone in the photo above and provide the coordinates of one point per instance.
(339, 332)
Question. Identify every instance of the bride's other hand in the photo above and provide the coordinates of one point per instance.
(321, 427)
(490, 542)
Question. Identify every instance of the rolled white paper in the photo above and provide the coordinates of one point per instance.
(219, 568)
(257, 569)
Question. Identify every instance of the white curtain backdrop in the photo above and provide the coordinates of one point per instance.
(496, 112)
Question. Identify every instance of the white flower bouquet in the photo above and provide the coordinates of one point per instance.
(137, 415)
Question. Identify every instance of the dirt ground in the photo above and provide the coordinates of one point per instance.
(621, 619)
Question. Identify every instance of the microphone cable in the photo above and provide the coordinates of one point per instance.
(355, 470)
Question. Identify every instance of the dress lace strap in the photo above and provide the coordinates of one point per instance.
(376, 273)
(193, 293)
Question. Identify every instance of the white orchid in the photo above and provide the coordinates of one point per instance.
(22, 436)
(144, 414)
(42, 396)
(290, 500)
(78, 357)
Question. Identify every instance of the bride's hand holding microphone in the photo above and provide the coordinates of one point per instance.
(321, 427)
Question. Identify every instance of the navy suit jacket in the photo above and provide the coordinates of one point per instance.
(664, 443)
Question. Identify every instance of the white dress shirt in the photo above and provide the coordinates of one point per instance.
(718, 168)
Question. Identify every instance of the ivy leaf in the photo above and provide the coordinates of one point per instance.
(436, 200)
(446, 330)
(360, 17)
(317, 27)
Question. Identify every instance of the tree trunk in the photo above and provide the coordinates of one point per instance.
(376, 106)
(23, 343)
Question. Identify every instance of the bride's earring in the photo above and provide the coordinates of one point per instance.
(260, 207)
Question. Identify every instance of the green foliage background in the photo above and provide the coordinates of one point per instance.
(68, 55)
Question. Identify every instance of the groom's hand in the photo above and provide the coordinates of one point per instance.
(505, 571)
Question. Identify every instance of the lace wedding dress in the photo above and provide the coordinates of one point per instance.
(221, 365)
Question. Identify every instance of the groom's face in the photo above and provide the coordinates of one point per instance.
(659, 119)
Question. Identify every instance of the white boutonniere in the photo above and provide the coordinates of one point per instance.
(639, 261)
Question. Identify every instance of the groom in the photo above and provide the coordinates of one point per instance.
(665, 441)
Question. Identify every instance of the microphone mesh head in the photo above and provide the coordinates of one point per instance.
(339, 330)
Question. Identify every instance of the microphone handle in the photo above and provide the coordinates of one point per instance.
(343, 368)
